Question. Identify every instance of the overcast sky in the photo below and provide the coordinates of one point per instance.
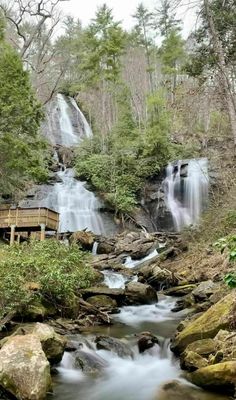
(122, 10)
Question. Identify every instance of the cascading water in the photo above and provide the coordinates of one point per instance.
(186, 191)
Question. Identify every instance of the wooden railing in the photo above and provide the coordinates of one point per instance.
(27, 218)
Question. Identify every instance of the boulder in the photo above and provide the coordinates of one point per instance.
(146, 340)
(219, 377)
(52, 343)
(218, 316)
(225, 345)
(83, 238)
(192, 361)
(89, 362)
(24, 368)
(176, 390)
(139, 293)
(105, 245)
(135, 244)
(204, 290)
(203, 347)
(157, 277)
(116, 294)
(115, 345)
(102, 301)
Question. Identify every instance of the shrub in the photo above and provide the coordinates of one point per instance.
(58, 269)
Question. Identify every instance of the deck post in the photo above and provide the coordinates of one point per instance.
(12, 237)
(42, 234)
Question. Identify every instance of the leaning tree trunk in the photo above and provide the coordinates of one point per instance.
(224, 77)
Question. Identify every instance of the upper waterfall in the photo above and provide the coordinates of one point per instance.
(186, 191)
(65, 124)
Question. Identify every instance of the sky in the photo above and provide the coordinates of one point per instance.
(122, 10)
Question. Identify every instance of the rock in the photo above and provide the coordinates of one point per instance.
(225, 345)
(105, 245)
(146, 340)
(219, 377)
(24, 368)
(157, 277)
(103, 301)
(207, 325)
(139, 293)
(116, 294)
(176, 390)
(203, 347)
(98, 277)
(83, 238)
(53, 344)
(115, 345)
(192, 361)
(37, 310)
(89, 362)
(180, 291)
(135, 244)
(204, 290)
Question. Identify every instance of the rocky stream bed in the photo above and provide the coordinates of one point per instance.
(142, 332)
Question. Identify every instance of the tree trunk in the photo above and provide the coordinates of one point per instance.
(224, 77)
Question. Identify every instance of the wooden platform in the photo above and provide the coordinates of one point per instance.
(28, 220)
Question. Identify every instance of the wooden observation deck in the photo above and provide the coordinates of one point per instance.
(28, 220)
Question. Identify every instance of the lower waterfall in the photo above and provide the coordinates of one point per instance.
(186, 191)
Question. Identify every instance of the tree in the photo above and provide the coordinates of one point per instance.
(143, 28)
(214, 53)
(104, 43)
(165, 17)
(22, 151)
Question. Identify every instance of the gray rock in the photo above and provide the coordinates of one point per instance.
(115, 345)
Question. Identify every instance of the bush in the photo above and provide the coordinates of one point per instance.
(228, 244)
(58, 269)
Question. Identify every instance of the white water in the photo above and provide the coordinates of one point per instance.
(130, 263)
(78, 207)
(123, 378)
(186, 197)
(114, 280)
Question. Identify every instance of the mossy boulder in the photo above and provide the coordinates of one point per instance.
(52, 343)
(217, 317)
(176, 390)
(192, 361)
(203, 347)
(218, 377)
(102, 301)
(24, 368)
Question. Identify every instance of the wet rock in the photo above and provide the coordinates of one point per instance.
(192, 361)
(157, 277)
(139, 293)
(103, 301)
(219, 377)
(135, 244)
(105, 245)
(146, 340)
(115, 345)
(89, 362)
(24, 368)
(176, 390)
(217, 317)
(116, 294)
(83, 238)
(204, 290)
(52, 343)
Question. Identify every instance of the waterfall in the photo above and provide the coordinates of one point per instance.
(79, 208)
(186, 191)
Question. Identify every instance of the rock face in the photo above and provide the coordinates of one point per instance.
(207, 325)
(139, 293)
(115, 345)
(221, 377)
(24, 368)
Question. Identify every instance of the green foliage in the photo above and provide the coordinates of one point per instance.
(172, 52)
(117, 165)
(22, 151)
(228, 244)
(60, 270)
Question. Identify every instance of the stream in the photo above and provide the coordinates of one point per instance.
(140, 378)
